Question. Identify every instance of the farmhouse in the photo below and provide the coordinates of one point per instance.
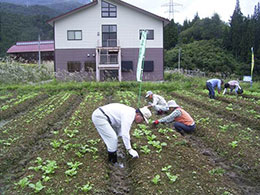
(104, 37)
(30, 50)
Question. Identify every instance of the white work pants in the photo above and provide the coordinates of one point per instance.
(105, 130)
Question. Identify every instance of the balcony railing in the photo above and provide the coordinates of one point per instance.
(109, 43)
(108, 59)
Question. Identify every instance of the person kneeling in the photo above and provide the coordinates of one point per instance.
(183, 121)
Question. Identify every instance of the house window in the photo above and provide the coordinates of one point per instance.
(148, 66)
(127, 66)
(150, 34)
(90, 66)
(108, 10)
(74, 66)
(74, 35)
(109, 35)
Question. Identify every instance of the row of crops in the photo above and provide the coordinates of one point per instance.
(49, 145)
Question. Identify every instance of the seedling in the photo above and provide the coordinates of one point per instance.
(164, 169)
(73, 168)
(234, 144)
(49, 167)
(23, 182)
(37, 187)
(156, 179)
(138, 133)
(217, 171)
(87, 187)
(172, 178)
(145, 149)
(151, 138)
(223, 128)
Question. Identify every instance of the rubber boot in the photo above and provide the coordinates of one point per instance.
(112, 157)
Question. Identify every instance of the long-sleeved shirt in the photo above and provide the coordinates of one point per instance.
(170, 117)
(121, 117)
(215, 83)
(232, 85)
(158, 100)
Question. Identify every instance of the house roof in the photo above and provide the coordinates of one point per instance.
(94, 2)
(31, 46)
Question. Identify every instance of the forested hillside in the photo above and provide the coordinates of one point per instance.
(211, 45)
(24, 23)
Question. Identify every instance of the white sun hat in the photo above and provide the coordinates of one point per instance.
(148, 93)
(173, 104)
(146, 113)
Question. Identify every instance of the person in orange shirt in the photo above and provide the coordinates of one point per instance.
(183, 121)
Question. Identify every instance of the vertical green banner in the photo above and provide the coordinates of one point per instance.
(139, 70)
(253, 63)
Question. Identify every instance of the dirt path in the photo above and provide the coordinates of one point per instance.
(119, 180)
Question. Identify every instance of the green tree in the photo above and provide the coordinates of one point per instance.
(171, 35)
(236, 25)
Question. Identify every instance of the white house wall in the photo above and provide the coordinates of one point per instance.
(128, 22)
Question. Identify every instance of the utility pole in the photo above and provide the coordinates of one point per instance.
(179, 60)
(171, 9)
(39, 49)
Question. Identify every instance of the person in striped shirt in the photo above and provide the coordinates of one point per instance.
(183, 122)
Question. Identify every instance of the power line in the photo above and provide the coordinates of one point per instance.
(171, 5)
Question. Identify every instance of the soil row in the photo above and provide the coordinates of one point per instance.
(76, 143)
(239, 100)
(220, 108)
(237, 144)
(21, 107)
(19, 137)
(169, 165)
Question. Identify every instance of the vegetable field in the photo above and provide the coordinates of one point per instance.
(49, 145)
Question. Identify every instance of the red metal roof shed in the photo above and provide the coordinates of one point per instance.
(31, 46)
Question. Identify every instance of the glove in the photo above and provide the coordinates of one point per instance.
(156, 122)
(133, 153)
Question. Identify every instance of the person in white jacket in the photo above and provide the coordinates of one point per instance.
(233, 85)
(115, 120)
(159, 103)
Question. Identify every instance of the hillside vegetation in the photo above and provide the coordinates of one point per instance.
(208, 56)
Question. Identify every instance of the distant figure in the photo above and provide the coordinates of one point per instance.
(183, 122)
(115, 120)
(212, 84)
(233, 85)
(159, 103)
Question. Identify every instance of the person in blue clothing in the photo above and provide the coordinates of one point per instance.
(211, 84)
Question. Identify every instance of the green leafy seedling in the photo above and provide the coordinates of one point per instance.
(156, 179)
(37, 187)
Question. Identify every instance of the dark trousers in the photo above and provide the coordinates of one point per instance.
(211, 90)
(180, 127)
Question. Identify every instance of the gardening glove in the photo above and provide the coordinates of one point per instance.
(156, 122)
(133, 153)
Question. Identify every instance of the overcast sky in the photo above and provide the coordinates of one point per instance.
(188, 8)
